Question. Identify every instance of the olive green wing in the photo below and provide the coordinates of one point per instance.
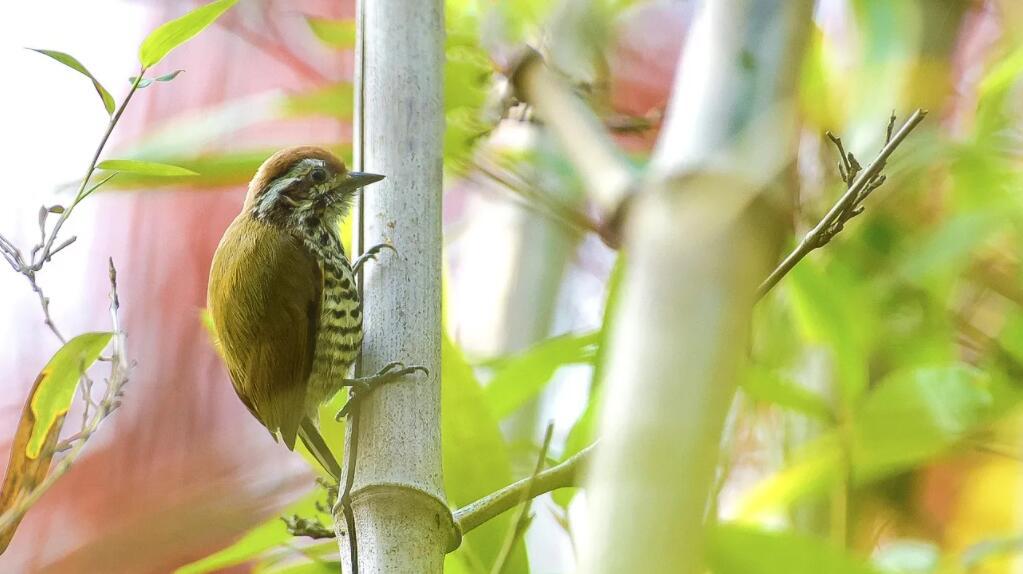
(264, 296)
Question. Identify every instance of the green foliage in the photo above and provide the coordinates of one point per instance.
(309, 567)
(332, 101)
(768, 386)
(833, 310)
(915, 415)
(267, 536)
(911, 417)
(336, 34)
(476, 461)
(146, 82)
(170, 35)
(213, 170)
(940, 256)
(467, 74)
(737, 549)
(521, 377)
(871, 320)
(57, 384)
(70, 61)
(140, 167)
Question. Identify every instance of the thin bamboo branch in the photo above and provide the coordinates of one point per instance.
(818, 236)
(563, 475)
(523, 519)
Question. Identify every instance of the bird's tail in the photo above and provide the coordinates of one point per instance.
(318, 447)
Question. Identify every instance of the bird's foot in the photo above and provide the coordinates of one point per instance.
(371, 253)
(361, 387)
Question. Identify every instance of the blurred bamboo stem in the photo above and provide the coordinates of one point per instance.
(401, 516)
(699, 240)
(598, 161)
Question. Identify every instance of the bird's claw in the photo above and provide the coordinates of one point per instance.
(371, 253)
(361, 387)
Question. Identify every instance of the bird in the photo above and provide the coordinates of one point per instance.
(286, 311)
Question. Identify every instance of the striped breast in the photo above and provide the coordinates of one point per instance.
(339, 338)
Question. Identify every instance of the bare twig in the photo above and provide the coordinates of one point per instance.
(44, 302)
(308, 527)
(848, 205)
(563, 475)
(523, 519)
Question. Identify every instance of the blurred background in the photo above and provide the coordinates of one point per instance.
(906, 332)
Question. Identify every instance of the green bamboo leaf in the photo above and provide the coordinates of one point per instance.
(318, 566)
(476, 460)
(145, 168)
(42, 417)
(215, 170)
(768, 386)
(338, 34)
(70, 61)
(172, 34)
(833, 309)
(737, 549)
(146, 82)
(168, 77)
(57, 383)
(915, 415)
(521, 377)
(912, 416)
(333, 101)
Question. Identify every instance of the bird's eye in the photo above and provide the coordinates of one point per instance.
(318, 175)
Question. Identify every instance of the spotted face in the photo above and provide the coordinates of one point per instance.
(304, 187)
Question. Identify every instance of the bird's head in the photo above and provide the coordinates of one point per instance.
(301, 185)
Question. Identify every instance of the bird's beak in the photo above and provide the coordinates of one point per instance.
(356, 179)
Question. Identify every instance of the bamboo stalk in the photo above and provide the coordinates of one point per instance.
(401, 516)
(699, 242)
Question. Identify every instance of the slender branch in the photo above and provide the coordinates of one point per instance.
(47, 250)
(845, 206)
(563, 475)
(523, 519)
